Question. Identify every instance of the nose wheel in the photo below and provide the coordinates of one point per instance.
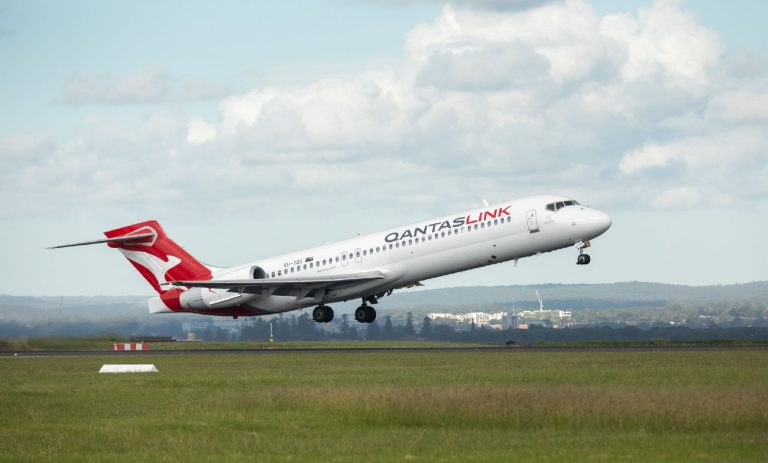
(583, 259)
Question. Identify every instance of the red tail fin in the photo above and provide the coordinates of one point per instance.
(157, 257)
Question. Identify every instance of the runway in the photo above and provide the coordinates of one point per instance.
(361, 350)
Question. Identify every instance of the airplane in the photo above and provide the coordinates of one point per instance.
(365, 267)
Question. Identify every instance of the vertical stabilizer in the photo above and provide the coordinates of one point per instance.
(155, 256)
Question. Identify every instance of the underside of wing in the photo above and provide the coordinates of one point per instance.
(302, 283)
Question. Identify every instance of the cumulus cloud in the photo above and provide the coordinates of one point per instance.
(664, 41)
(625, 110)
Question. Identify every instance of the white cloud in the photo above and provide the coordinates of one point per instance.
(743, 105)
(484, 103)
(725, 151)
(145, 86)
(199, 131)
(151, 85)
(665, 42)
(677, 198)
(24, 145)
(204, 90)
(564, 36)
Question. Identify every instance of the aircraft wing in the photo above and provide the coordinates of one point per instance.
(257, 286)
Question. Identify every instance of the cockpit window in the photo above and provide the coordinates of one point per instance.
(561, 204)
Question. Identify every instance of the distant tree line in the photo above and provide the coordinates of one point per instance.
(302, 327)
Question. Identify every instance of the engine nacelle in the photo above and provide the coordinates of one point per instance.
(206, 298)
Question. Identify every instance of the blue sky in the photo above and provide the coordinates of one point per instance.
(250, 129)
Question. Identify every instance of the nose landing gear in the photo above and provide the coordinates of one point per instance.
(583, 259)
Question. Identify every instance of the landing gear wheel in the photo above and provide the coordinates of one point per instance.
(360, 313)
(365, 314)
(322, 314)
(370, 315)
(583, 259)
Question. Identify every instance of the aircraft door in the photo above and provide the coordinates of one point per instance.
(533, 223)
(343, 257)
(358, 255)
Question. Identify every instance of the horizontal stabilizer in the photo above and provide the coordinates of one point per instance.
(139, 238)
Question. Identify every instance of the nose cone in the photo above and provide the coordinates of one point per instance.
(598, 222)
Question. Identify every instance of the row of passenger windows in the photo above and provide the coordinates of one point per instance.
(359, 254)
(561, 204)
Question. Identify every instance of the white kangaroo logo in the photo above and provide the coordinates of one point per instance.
(155, 265)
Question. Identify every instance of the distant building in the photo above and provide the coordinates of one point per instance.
(478, 318)
(510, 321)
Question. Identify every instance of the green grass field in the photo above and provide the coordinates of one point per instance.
(385, 406)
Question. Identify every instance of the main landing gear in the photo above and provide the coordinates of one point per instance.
(583, 259)
(322, 314)
(365, 313)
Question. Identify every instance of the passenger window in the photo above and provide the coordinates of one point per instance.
(496, 221)
(378, 249)
(324, 261)
(365, 253)
(475, 226)
(442, 234)
(273, 274)
(305, 266)
(344, 257)
(279, 272)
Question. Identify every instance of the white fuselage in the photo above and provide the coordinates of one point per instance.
(413, 253)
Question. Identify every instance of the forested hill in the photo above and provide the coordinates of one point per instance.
(594, 296)
(571, 297)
